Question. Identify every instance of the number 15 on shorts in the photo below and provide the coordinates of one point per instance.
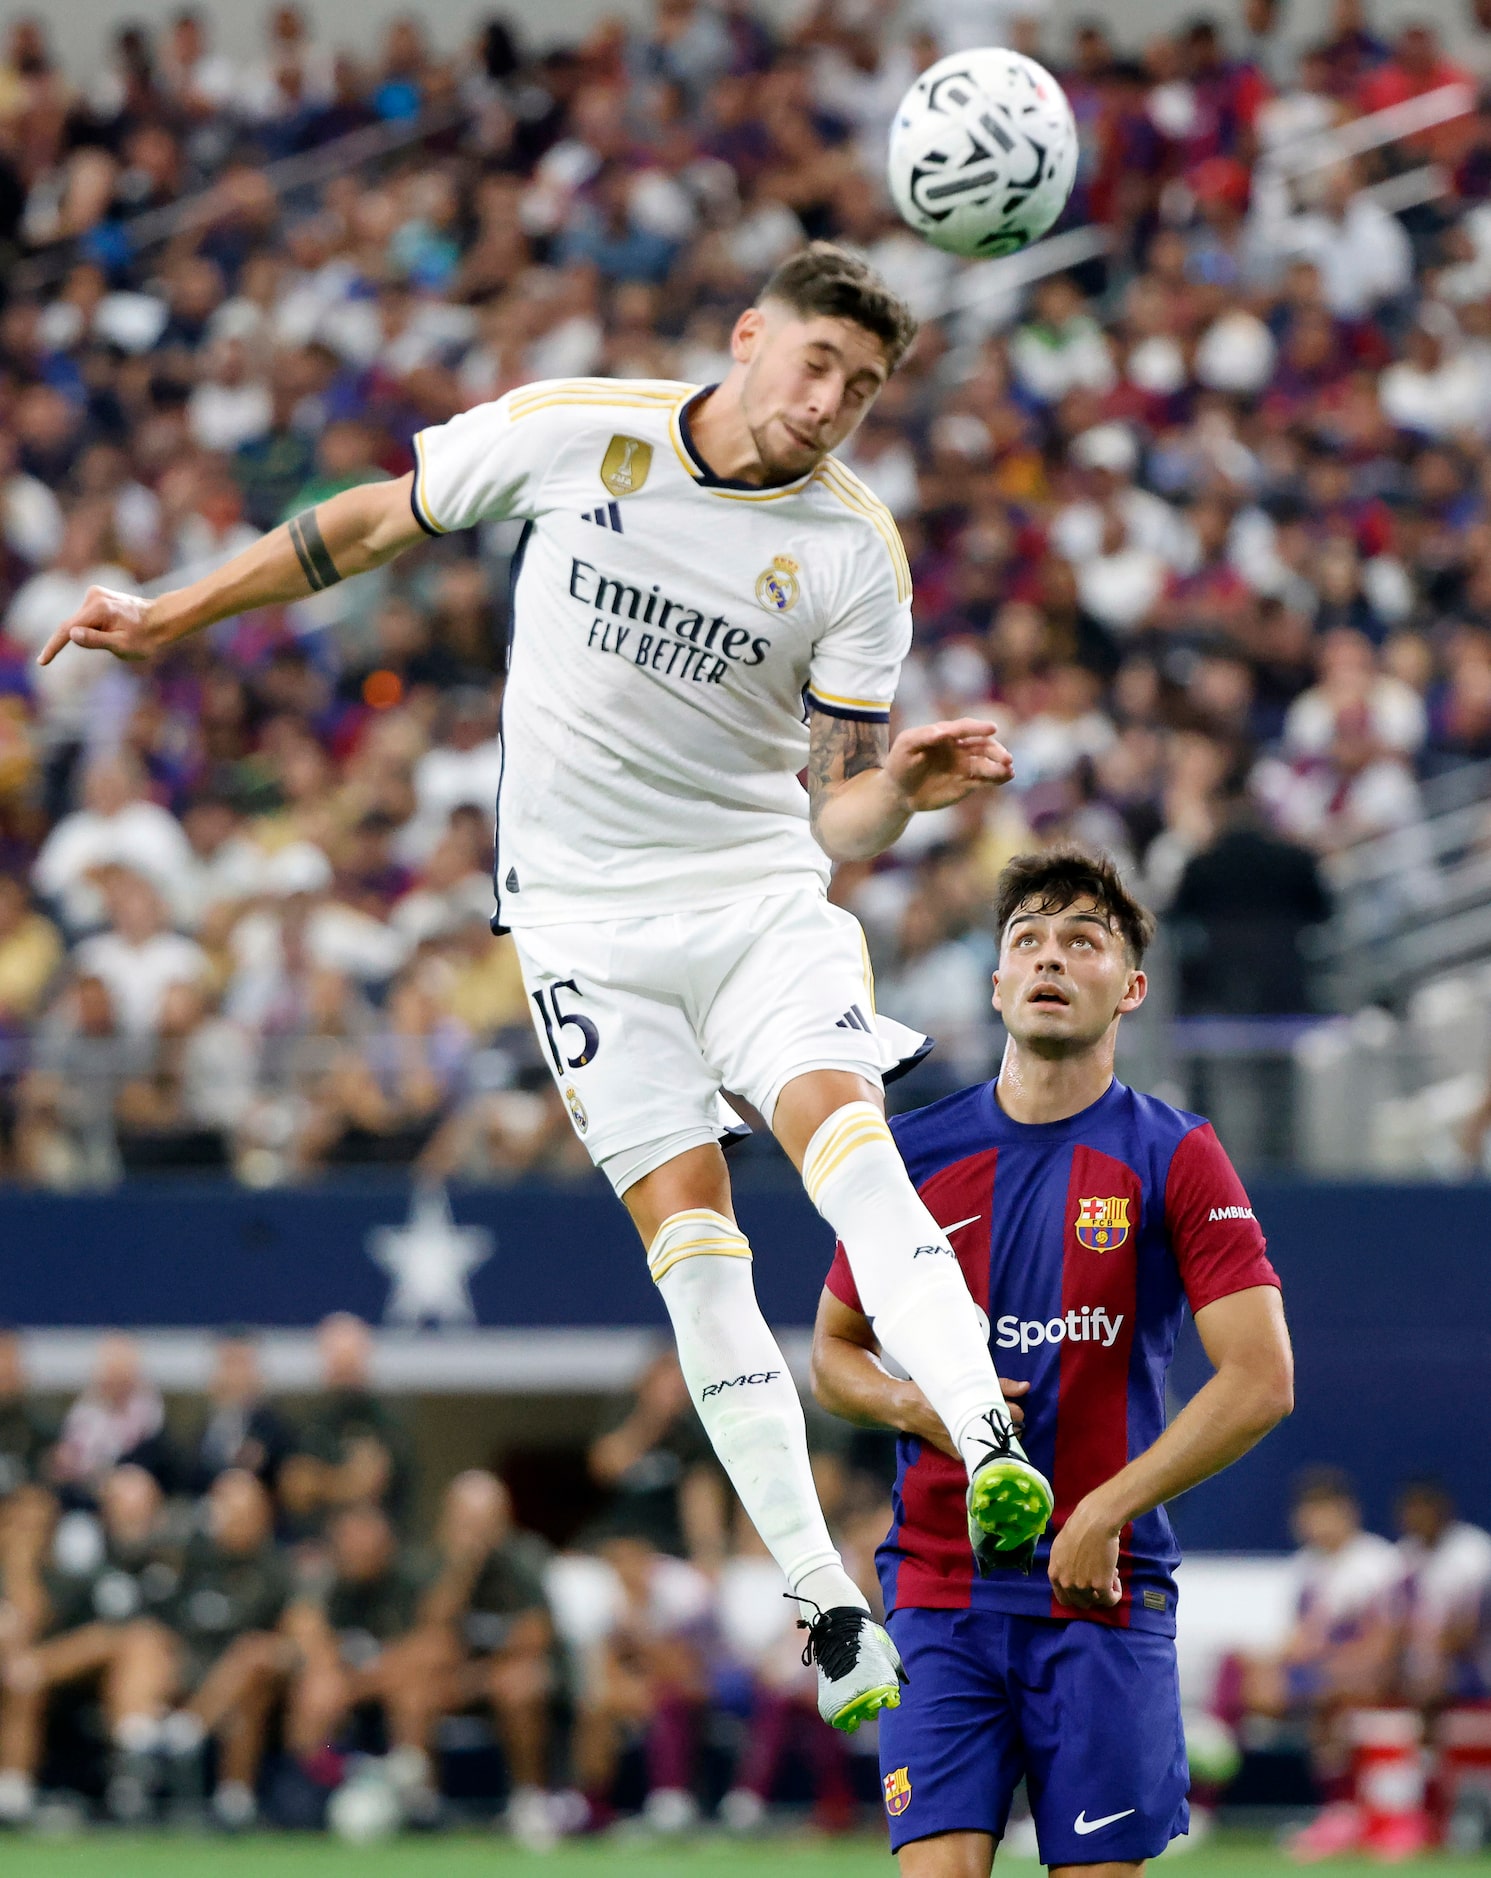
(567, 1029)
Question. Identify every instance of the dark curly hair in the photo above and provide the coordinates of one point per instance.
(1052, 881)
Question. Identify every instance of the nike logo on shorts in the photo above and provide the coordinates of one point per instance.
(1084, 1825)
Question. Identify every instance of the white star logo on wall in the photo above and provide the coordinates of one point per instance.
(430, 1260)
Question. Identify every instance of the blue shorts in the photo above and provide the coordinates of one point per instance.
(1088, 1715)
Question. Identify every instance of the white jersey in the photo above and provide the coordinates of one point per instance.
(668, 631)
(1338, 1592)
(1445, 1584)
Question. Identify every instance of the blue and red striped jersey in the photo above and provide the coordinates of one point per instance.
(1083, 1241)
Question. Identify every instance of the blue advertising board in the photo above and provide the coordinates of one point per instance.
(1388, 1290)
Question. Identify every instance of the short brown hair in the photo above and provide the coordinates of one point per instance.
(828, 282)
(1056, 879)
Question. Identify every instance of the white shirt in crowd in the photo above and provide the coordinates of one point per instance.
(1445, 1582)
(1337, 1590)
(1363, 258)
(66, 686)
(1396, 712)
(138, 976)
(142, 836)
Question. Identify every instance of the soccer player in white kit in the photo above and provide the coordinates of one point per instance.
(705, 603)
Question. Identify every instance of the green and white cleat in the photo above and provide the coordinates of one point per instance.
(1009, 1505)
(859, 1669)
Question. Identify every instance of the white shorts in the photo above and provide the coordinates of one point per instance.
(645, 1021)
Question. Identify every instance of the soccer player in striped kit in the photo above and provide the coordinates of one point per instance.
(1085, 1218)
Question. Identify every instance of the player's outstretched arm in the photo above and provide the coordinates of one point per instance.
(850, 1381)
(347, 534)
(1252, 1390)
(863, 789)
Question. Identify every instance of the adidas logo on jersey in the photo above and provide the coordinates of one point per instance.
(1088, 1325)
(853, 1019)
(608, 515)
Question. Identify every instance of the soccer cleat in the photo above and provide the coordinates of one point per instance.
(1335, 1830)
(859, 1669)
(1009, 1504)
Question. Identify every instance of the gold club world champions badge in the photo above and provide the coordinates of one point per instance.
(625, 465)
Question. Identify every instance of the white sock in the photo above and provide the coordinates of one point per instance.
(907, 1274)
(739, 1382)
(17, 1796)
(137, 1734)
(182, 1733)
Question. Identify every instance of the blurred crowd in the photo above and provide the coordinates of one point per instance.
(1384, 1675)
(1204, 524)
(238, 1612)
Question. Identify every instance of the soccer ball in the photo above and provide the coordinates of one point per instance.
(983, 153)
(1211, 1750)
(365, 1809)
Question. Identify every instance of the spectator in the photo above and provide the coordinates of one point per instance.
(26, 1436)
(659, 1471)
(761, 1637)
(116, 826)
(137, 957)
(30, 954)
(187, 1102)
(647, 1676)
(64, 1132)
(99, 1621)
(360, 1642)
(227, 1662)
(1446, 1574)
(1241, 913)
(490, 1593)
(1360, 250)
(352, 1449)
(1341, 1652)
(117, 1420)
(243, 1432)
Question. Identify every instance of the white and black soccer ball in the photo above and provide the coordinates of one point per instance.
(983, 153)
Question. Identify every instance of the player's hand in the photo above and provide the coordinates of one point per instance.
(1084, 1560)
(107, 622)
(916, 1416)
(936, 765)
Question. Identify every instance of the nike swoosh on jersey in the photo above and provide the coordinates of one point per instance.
(1084, 1825)
(971, 1220)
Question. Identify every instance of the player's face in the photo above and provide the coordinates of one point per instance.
(808, 382)
(1063, 979)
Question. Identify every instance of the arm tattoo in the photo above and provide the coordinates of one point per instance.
(838, 749)
(315, 557)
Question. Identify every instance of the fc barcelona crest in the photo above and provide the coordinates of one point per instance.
(625, 465)
(897, 1787)
(1102, 1224)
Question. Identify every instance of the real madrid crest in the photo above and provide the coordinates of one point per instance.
(576, 1109)
(777, 588)
(625, 465)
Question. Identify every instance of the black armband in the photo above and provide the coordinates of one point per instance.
(314, 555)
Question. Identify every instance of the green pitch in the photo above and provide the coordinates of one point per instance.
(111, 1856)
